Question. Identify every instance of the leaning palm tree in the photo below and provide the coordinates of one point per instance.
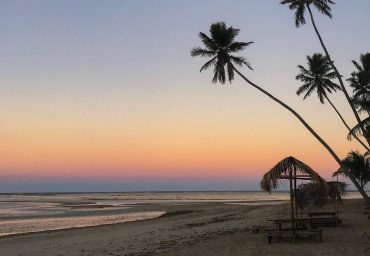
(356, 164)
(323, 6)
(220, 47)
(318, 77)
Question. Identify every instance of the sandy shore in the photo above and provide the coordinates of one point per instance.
(197, 229)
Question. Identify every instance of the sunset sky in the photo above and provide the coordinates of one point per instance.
(104, 95)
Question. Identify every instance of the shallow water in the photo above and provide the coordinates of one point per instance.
(22, 213)
(11, 227)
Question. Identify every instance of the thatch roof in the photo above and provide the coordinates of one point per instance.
(283, 169)
(312, 193)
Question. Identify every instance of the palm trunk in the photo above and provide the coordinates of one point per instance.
(345, 123)
(308, 127)
(338, 76)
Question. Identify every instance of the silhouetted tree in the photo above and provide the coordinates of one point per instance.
(317, 78)
(323, 6)
(356, 164)
(218, 48)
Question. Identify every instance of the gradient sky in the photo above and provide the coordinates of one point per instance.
(103, 95)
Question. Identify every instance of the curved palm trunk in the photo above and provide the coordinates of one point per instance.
(308, 127)
(345, 123)
(338, 75)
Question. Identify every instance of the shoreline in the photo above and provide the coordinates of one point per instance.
(200, 229)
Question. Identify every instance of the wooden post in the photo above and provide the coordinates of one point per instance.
(336, 203)
(295, 192)
(291, 200)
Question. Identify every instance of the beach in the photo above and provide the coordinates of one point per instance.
(197, 228)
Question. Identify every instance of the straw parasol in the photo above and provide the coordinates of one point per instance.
(290, 169)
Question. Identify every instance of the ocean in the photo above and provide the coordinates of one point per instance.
(24, 213)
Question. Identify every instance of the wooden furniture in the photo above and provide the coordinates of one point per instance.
(304, 227)
(300, 223)
(321, 214)
(316, 233)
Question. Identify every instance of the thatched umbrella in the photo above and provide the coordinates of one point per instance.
(290, 169)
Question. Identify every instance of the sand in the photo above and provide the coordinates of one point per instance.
(197, 229)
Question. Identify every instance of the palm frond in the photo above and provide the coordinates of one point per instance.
(202, 52)
(299, 8)
(238, 46)
(208, 42)
(356, 130)
(240, 61)
(208, 64)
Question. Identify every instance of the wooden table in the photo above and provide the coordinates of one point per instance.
(304, 227)
(331, 214)
(299, 222)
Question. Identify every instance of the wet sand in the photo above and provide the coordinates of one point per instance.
(197, 229)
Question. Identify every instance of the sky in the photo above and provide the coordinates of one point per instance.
(104, 95)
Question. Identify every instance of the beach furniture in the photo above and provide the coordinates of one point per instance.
(327, 214)
(304, 227)
(325, 218)
(279, 234)
(291, 169)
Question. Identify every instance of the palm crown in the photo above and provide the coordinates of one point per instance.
(317, 77)
(220, 46)
(358, 165)
(299, 6)
(360, 79)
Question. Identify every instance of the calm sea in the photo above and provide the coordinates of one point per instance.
(23, 213)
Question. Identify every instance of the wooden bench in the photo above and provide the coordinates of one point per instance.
(330, 214)
(316, 233)
(320, 222)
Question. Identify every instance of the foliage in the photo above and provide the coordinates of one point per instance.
(220, 47)
(360, 79)
(299, 8)
(317, 77)
(356, 164)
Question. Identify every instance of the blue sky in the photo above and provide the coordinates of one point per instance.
(81, 78)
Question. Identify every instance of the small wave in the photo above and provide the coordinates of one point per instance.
(12, 227)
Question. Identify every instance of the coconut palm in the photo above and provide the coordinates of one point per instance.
(318, 77)
(360, 82)
(323, 6)
(360, 78)
(218, 49)
(356, 164)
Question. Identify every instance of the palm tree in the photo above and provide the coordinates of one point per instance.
(356, 131)
(220, 46)
(318, 78)
(360, 78)
(356, 164)
(323, 6)
(360, 82)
